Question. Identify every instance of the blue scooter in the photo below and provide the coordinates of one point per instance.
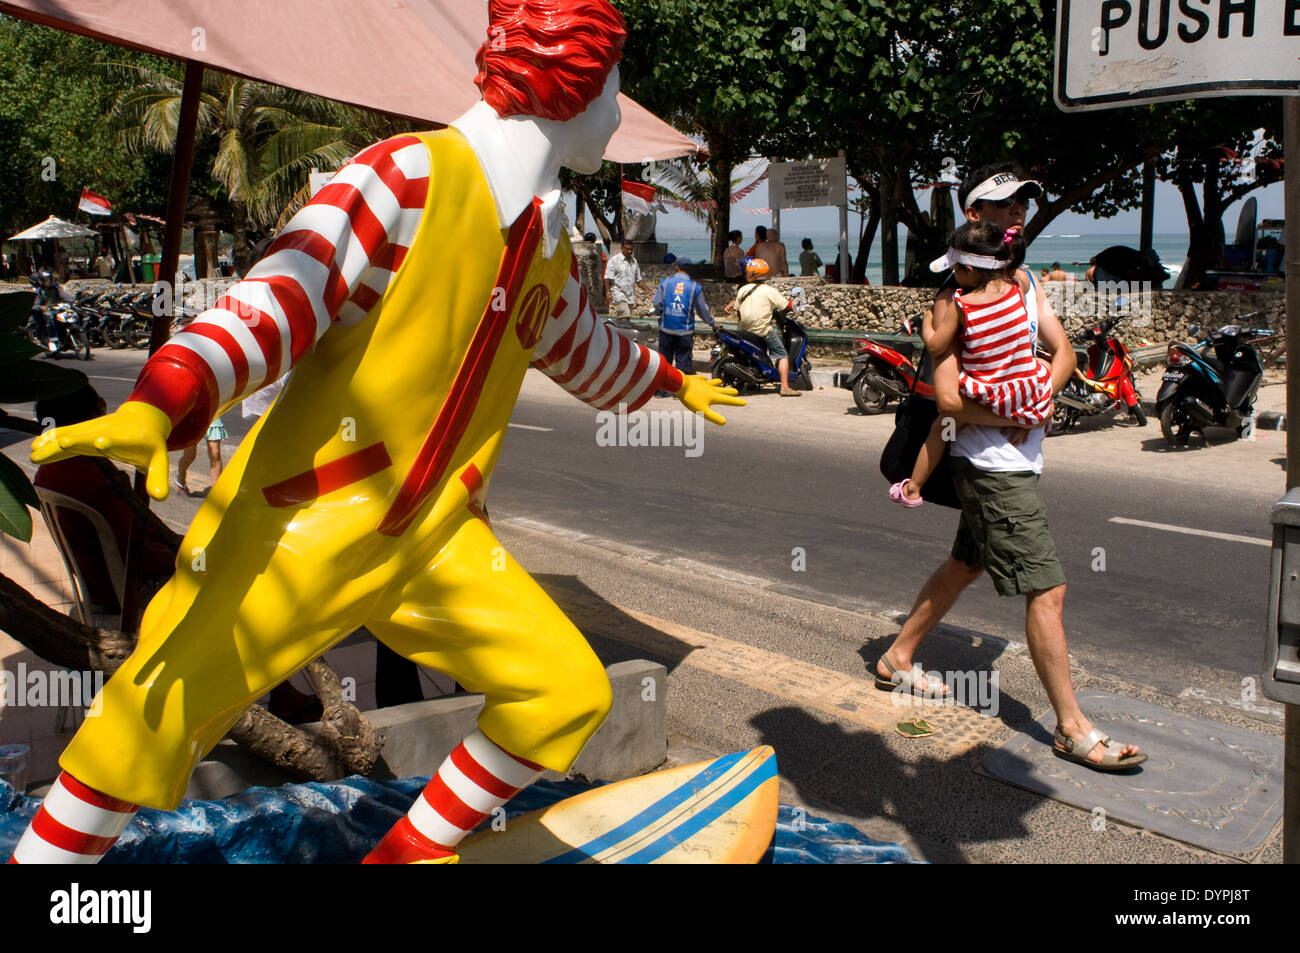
(1211, 383)
(740, 359)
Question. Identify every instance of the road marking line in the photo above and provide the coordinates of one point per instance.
(105, 377)
(1230, 537)
(546, 528)
(531, 427)
(852, 699)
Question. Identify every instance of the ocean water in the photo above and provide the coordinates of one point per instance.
(1072, 251)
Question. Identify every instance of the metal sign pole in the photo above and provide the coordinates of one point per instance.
(845, 276)
(1291, 152)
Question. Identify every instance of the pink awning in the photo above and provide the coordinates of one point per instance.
(412, 58)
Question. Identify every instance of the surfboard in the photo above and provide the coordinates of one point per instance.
(714, 812)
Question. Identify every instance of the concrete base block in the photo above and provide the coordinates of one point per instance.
(634, 738)
(229, 769)
(419, 736)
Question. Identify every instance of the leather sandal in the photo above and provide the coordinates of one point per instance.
(1069, 749)
(907, 681)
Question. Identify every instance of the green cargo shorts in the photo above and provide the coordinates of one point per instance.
(1004, 529)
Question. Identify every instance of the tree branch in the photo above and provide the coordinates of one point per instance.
(281, 744)
(59, 639)
(1049, 210)
(343, 728)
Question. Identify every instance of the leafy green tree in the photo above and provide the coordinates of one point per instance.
(1209, 134)
(54, 95)
(265, 138)
(912, 89)
(716, 69)
(600, 193)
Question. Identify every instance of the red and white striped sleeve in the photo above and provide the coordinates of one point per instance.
(330, 265)
(595, 363)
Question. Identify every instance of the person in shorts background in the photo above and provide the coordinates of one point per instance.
(216, 433)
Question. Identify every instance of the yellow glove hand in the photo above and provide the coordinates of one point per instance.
(698, 393)
(136, 433)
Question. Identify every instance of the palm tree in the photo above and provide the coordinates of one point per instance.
(690, 186)
(267, 139)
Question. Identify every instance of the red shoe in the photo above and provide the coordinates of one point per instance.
(406, 845)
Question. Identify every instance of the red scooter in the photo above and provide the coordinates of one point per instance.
(882, 373)
(1103, 381)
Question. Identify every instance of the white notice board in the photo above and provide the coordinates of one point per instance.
(1121, 52)
(809, 183)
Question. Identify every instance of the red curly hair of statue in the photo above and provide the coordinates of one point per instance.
(548, 58)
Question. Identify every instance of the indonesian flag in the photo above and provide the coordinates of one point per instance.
(637, 196)
(94, 204)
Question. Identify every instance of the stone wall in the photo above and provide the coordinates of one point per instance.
(1146, 315)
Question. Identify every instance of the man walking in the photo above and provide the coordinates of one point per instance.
(1003, 529)
(677, 301)
(622, 278)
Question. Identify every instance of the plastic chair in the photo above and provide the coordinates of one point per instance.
(51, 503)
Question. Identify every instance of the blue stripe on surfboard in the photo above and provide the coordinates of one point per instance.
(697, 822)
(679, 795)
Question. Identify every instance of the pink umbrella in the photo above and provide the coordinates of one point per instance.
(410, 58)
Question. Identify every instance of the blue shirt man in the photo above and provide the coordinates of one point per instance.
(677, 301)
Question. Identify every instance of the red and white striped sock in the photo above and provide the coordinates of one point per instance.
(75, 824)
(476, 779)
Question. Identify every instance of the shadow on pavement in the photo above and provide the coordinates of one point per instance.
(935, 797)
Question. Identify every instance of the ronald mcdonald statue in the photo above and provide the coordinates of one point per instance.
(409, 297)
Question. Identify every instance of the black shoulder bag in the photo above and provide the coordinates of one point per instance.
(912, 422)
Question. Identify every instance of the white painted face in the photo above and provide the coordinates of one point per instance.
(587, 134)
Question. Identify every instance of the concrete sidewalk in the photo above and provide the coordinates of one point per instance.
(838, 753)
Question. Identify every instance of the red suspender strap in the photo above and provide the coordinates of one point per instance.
(453, 419)
(328, 477)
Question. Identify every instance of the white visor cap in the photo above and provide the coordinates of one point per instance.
(955, 257)
(1003, 186)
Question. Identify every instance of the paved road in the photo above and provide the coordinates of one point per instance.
(789, 493)
(802, 475)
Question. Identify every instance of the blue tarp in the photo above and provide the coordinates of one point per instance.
(338, 822)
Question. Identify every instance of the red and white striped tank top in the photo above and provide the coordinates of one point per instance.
(999, 369)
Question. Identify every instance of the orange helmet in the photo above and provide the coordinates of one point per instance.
(756, 268)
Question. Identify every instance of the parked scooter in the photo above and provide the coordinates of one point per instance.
(882, 373)
(740, 359)
(1102, 383)
(1212, 382)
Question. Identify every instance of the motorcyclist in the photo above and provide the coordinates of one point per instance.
(48, 294)
(757, 302)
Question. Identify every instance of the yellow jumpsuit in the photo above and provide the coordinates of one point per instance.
(319, 525)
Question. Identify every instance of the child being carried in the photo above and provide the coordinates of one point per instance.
(999, 368)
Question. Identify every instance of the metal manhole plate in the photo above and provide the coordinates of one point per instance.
(1203, 783)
